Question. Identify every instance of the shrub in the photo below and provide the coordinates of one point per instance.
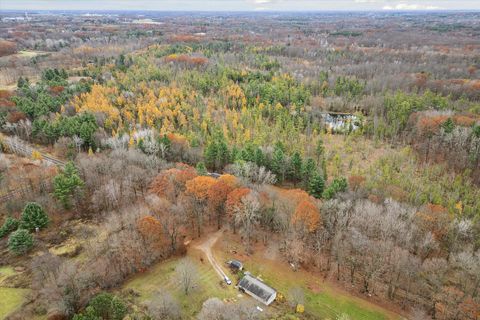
(10, 224)
(33, 216)
(107, 306)
(448, 125)
(476, 131)
(20, 241)
(338, 185)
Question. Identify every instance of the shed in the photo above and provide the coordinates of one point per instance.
(235, 265)
(257, 289)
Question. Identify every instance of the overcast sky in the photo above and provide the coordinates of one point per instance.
(240, 5)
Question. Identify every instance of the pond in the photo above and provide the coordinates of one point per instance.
(341, 122)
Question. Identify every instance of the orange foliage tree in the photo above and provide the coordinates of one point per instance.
(170, 183)
(151, 230)
(198, 188)
(307, 216)
(217, 195)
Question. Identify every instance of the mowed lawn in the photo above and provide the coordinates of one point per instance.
(162, 277)
(10, 298)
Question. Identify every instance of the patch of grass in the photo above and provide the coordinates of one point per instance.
(31, 54)
(5, 272)
(329, 305)
(10, 300)
(162, 277)
(68, 249)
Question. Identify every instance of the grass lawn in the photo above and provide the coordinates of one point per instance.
(6, 272)
(162, 277)
(10, 298)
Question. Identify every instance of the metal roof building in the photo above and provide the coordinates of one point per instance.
(235, 264)
(257, 289)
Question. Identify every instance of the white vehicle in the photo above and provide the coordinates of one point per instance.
(227, 280)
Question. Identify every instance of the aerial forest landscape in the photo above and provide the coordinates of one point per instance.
(239, 160)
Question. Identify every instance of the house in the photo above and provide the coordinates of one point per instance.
(235, 265)
(257, 289)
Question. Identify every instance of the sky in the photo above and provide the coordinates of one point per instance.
(240, 5)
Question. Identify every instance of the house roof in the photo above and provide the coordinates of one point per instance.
(257, 288)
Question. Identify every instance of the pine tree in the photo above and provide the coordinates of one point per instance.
(308, 170)
(316, 186)
(278, 164)
(259, 157)
(223, 154)
(248, 153)
(66, 184)
(295, 167)
(33, 216)
(210, 155)
(20, 241)
(235, 154)
(10, 224)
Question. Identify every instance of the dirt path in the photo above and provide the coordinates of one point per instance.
(206, 248)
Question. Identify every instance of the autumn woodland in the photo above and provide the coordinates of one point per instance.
(337, 156)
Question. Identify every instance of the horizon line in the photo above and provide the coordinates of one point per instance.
(249, 11)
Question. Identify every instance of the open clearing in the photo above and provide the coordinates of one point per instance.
(10, 298)
(162, 277)
(323, 300)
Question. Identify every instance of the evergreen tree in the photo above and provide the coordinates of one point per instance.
(210, 155)
(248, 153)
(20, 241)
(337, 185)
(10, 224)
(316, 186)
(278, 164)
(223, 154)
(308, 171)
(66, 184)
(295, 167)
(235, 154)
(448, 125)
(319, 150)
(201, 169)
(260, 159)
(33, 216)
(104, 306)
(216, 153)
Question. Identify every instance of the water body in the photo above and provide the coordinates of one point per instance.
(341, 122)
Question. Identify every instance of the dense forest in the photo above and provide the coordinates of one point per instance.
(355, 151)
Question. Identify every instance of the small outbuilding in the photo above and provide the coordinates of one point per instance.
(235, 265)
(257, 289)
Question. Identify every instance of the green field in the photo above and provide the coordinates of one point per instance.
(10, 298)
